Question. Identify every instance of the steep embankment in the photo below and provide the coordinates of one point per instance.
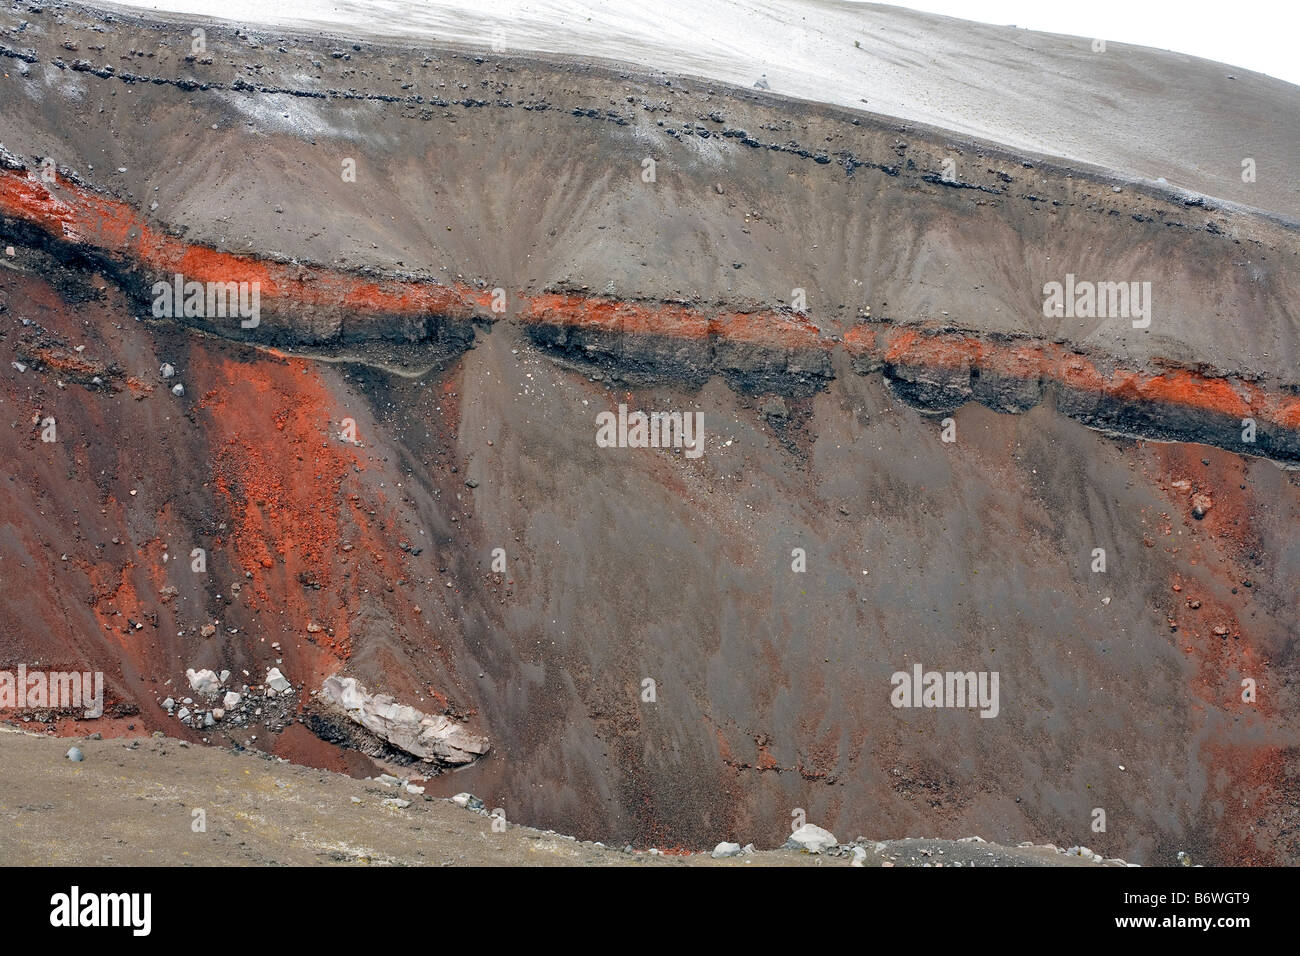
(817, 282)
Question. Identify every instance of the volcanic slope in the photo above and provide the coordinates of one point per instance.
(827, 287)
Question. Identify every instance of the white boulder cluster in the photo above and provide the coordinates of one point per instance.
(430, 737)
(213, 702)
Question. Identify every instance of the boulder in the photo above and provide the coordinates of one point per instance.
(430, 737)
(204, 682)
(811, 838)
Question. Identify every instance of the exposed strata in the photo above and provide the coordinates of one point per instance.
(781, 352)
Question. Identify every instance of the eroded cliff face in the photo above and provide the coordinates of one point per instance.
(397, 462)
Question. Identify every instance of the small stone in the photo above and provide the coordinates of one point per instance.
(75, 755)
(277, 681)
(724, 850)
(178, 389)
(167, 370)
(231, 700)
(397, 802)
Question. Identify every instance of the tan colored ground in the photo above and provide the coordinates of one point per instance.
(124, 806)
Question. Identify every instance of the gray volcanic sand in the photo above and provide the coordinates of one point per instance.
(1146, 113)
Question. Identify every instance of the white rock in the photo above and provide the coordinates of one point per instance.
(276, 681)
(169, 705)
(225, 676)
(167, 371)
(204, 682)
(217, 713)
(724, 850)
(397, 802)
(178, 389)
(182, 713)
(427, 736)
(231, 700)
(413, 788)
(812, 838)
(462, 799)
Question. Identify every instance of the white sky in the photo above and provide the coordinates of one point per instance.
(1260, 35)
